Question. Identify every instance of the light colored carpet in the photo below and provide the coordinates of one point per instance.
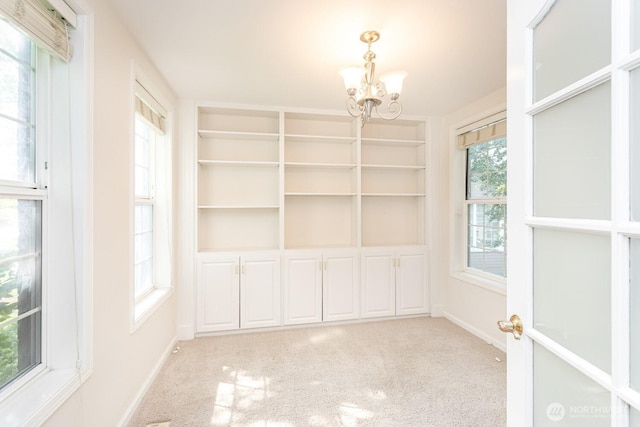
(404, 372)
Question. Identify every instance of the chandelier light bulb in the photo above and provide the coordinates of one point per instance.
(352, 77)
(393, 82)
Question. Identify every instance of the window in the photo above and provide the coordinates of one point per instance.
(152, 213)
(21, 210)
(45, 210)
(145, 200)
(486, 197)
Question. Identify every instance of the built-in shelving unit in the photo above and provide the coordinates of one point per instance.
(238, 176)
(319, 197)
(393, 173)
(320, 181)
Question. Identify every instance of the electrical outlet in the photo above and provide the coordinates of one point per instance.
(163, 424)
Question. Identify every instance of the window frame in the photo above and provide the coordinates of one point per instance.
(144, 305)
(65, 120)
(468, 201)
(459, 225)
(146, 200)
(36, 191)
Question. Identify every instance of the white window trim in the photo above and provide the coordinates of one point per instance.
(144, 307)
(49, 387)
(458, 231)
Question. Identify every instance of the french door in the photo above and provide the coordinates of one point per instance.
(574, 212)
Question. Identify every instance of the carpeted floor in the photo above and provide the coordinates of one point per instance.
(405, 372)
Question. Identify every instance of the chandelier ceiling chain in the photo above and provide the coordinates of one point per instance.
(365, 94)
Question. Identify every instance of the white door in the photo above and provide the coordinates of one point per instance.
(259, 291)
(574, 212)
(378, 283)
(340, 301)
(302, 288)
(411, 289)
(218, 293)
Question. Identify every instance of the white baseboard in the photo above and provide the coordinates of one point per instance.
(185, 332)
(131, 410)
(437, 310)
(475, 331)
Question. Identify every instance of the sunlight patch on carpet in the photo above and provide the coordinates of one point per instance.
(350, 414)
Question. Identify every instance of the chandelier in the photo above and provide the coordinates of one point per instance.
(365, 93)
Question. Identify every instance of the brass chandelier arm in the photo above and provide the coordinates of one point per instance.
(394, 108)
(352, 107)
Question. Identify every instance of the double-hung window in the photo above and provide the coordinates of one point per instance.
(22, 195)
(486, 197)
(45, 215)
(145, 141)
(152, 241)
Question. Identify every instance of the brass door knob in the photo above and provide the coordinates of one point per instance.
(513, 325)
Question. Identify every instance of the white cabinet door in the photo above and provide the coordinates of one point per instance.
(340, 287)
(411, 289)
(260, 291)
(303, 289)
(218, 294)
(394, 282)
(378, 284)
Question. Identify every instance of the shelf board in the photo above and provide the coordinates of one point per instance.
(318, 247)
(258, 136)
(319, 138)
(393, 194)
(237, 163)
(229, 207)
(237, 249)
(392, 142)
(321, 194)
(320, 165)
(394, 167)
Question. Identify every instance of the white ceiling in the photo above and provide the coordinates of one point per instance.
(288, 53)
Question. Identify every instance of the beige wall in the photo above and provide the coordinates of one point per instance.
(473, 307)
(123, 362)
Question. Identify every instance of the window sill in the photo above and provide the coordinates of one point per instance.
(148, 305)
(498, 286)
(36, 402)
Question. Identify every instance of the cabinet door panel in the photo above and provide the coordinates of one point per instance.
(303, 290)
(340, 288)
(218, 299)
(411, 291)
(378, 285)
(260, 292)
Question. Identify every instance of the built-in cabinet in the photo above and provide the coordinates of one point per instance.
(238, 291)
(315, 192)
(320, 286)
(393, 282)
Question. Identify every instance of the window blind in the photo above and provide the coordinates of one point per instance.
(483, 131)
(43, 24)
(149, 108)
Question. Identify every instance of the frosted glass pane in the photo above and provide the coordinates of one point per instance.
(570, 43)
(634, 153)
(571, 292)
(635, 24)
(634, 320)
(565, 397)
(634, 418)
(572, 152)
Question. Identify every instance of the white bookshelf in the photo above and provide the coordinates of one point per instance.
(238, 179)
(320, 181)
(319, 196)
(393, 175)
